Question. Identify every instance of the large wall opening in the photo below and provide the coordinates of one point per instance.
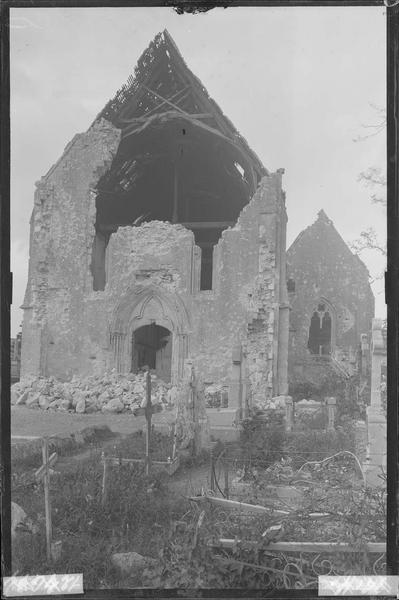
(179, 159)
(172, 171)
(152, 347)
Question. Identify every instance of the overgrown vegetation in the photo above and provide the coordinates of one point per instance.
(302, 446)
(346, 390)
(145, 515)
(138, 512)
(193, 556)
(264, 441)
(262, 437)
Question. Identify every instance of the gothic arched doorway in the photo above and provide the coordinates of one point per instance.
(152, 347)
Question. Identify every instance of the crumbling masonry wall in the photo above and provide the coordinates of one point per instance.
(62, 232)
(152, 276)
(324, 269)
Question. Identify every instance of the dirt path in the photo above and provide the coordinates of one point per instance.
(34, 422)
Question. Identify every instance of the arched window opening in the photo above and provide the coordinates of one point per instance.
(320, 331)
(152, 347)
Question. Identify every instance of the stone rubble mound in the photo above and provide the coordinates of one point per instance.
(107, 393)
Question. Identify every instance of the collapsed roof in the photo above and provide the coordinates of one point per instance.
(167, 116)
(180, 159)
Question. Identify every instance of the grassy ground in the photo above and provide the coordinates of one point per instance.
(136, 517)
(35, 422)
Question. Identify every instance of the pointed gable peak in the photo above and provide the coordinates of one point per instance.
(322, 216)
(163, 85)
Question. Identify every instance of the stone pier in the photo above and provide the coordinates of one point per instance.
(376, 419)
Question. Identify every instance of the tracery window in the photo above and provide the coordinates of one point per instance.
(320, 330)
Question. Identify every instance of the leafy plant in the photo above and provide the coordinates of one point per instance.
(262, 437)
(302, 446)
(330, 384)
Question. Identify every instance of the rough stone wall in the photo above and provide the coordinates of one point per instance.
(62, 232)
(151, 276)
(323, 268)
(360, 440)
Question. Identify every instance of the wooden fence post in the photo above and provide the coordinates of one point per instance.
(43, 473)
(47, 500)
(331, 405)
(148, 415)
(212, 464)
(289, 413)
(105, 479)
(226, 478)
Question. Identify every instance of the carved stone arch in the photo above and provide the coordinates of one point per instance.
(152, 308)
(144, 305)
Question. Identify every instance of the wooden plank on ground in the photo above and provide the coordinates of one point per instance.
(373, 547)
(235, 505)
(256, 508)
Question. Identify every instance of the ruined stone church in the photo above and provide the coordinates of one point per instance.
(158, 237)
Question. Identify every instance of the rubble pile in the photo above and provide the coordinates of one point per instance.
(108, 393)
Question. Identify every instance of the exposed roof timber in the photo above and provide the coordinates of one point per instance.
(162, 50)
(208, 224)
(104, 227)
(139, 93)
(164, 101)
(161, 119)
(138, 120)
(151, 112)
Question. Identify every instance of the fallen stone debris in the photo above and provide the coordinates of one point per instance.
(107, 393)
(130, 563)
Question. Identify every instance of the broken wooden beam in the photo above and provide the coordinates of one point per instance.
(208, 224)
(235, 505)
(316, 547)
(107, 227)
(145, 117)
(257, 508)
(164, 100)
(153, 110)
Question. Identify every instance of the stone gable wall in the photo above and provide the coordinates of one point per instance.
(323, 268)
(152, 273)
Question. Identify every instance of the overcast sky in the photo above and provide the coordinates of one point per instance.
(298, 83)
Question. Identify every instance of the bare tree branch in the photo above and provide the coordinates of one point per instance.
(378, 127)
(373, 176)
(368, 241)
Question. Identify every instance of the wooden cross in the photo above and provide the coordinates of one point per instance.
(43, 473)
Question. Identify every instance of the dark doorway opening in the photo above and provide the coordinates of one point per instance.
(320, 331)
(152, 347)
(206, 267)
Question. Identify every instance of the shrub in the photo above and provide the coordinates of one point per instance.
(330, 383)
(303, 446)
(262, 437)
